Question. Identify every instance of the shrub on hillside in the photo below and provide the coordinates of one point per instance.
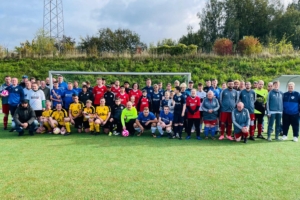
(223, 46)
(249, 46)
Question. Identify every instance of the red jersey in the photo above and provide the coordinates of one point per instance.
(98, 93)
(137, 94)
(123, 98)
(193, 103)
(116, 90)
(144, 102)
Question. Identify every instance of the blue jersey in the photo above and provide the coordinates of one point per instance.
(63, 86)
(217, 91)
(155, 100)
(150, 90)
(188, 91)
(4, 87)
(54, 93)
(161, 92)
(68, 98)
(142, 119)
(179, 103)
(164, 103)
(166, 118)
(16, 95)
(78, 90)
(185, 94)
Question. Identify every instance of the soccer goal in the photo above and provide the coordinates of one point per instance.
(187, 75)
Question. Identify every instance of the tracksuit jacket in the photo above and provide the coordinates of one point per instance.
(275, 101)
(291, 102)
(228, 100)
(248, 98)
(23, 115)
(210, 104)
(240, 119)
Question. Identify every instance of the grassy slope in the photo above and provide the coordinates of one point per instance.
(88, 167)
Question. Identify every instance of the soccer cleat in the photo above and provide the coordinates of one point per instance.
(11, 130)
(67, 134)
(295, 139)
(251, 138)
(188, 137)
(97, 133)
(153, 135)
(177, 135)
(245, 139)
(229, 137)
(284, 137)
(269, 139)
(199, 138)
(110, 134)
(221, 137)
(260, 136)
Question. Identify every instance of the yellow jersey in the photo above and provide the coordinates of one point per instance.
(47, 113)
(103, 111)
(75, 108)
(90, 111)
(59, 115)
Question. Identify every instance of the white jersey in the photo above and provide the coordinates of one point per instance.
(35, 99)
(201, 95)
(26, 92)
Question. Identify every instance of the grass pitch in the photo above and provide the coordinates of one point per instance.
(81, 166)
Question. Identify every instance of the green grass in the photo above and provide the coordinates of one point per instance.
(81, 166)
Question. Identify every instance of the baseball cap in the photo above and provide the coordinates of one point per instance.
(24, 76)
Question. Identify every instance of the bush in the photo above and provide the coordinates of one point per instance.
(249, 46)
(223, 46)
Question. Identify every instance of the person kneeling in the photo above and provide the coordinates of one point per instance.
(44, 119)
(102, 118)
(241, 122)
(59, 118)
(146, 120)
(24, 118)
(165, 122)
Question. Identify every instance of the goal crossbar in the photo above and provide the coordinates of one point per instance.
(51, 73)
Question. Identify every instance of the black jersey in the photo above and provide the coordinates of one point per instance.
(179, 103)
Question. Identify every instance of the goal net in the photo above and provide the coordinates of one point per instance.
(131, 77)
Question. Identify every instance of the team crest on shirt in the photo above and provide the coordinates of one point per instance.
(150, 90)
(16, 89)
(179, 99)
(233, 94)
(110, 95)
(225, 93)
(244, 113)
(292, 97)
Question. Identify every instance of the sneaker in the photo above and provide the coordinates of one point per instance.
(117, 133)
(221, 137)
(110, 134)
(177, 135)
(139, 134)
(284, 137)
(199, 138)
(269, 139)
(295, 139)
(153, 135)
(67, 134)
(229, 137)
(260, 136)
(11, 130)
(251, 138)
(188, 137)
(114, 132)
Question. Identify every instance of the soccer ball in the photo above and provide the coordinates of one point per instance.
(125, 133)
(56, 130)
(4, 93)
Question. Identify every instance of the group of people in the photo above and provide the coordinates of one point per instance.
(115, 108)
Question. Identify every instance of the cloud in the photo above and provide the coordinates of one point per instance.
(153, 20)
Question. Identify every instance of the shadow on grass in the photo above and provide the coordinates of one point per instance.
(104, 140)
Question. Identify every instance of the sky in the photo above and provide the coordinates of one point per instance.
(153, 20)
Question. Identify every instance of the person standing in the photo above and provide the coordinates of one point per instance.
(248, 98)
(98, 92)
(193, 103)
(109, 97)
(85, 95)
(274, 110)
(290, 115)
(45, 89)
(210, 107)
(190, 87)
(149, 88)
(5, 106)
(15, 97)
(37, 100)
(228, 101)
(260, 108)
(56, 95)
(179, 103)
(61, 84)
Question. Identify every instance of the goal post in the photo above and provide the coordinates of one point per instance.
(186, 74)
